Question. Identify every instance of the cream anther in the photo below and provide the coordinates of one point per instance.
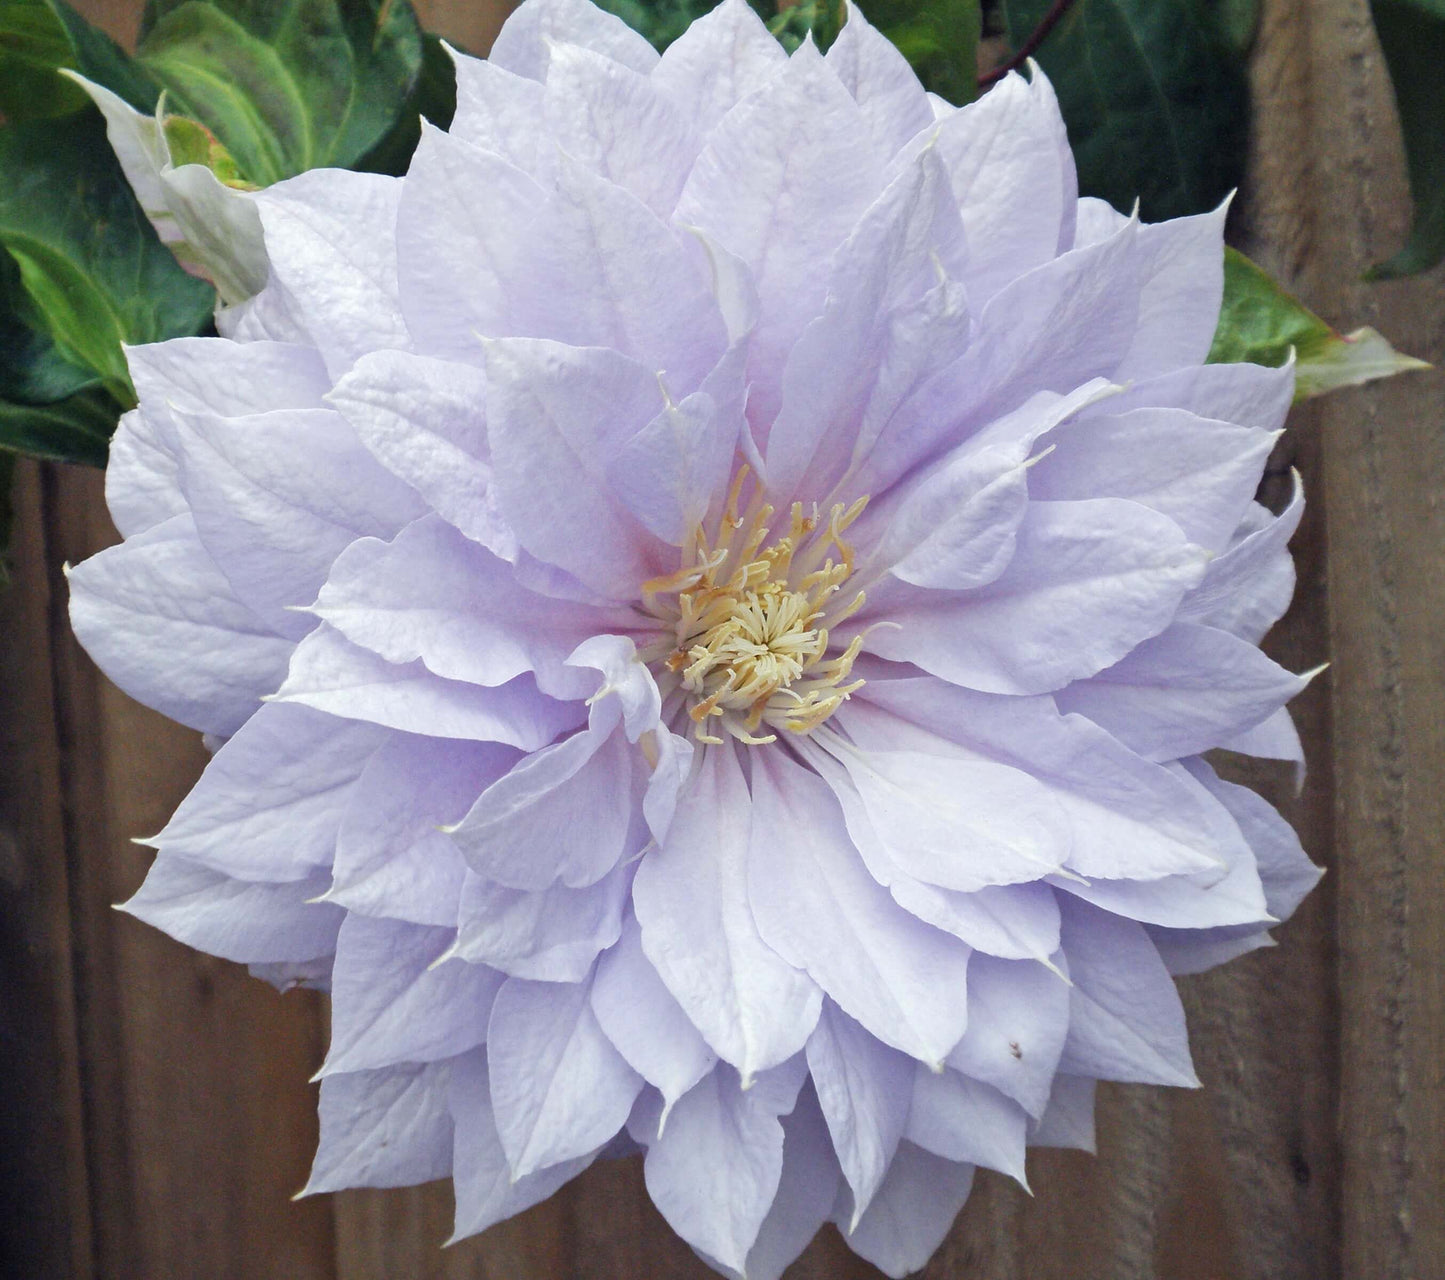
(748, 621)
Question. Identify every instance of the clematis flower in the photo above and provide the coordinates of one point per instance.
(711, 594)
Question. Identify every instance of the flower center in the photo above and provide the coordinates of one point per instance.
(747, 622)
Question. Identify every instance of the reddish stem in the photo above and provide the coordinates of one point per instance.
(1030, 46)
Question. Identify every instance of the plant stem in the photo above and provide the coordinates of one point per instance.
(1029, 47)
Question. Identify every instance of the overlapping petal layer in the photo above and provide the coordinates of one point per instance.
(714, 590)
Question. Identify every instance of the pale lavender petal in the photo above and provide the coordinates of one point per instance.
(498, 111)
(1018, 1015)
(1200, 473)
(524, 44)
(911, 1213)
(550, 935)
(1246, 590)
(817, 906)
(243, 920)
(270, 802)
(1013, 177)
(486, 1191)
(1129, 818)
(555, 415)
(565, 813)
(386, 1128)
(1089, 580)
(559, 1088)
(1125, 1019)
(962, 1119)
(330, 673)
(878, 76)
(1184, 691)
(330, 239)
(781, 182)
(692, 899)
(164, 623)
(806, 1191)
(719, 60)
(619, 124)
(416, 598)
(425, 421)
(250, 483)
(1015, 921)
(392, 859)
(1069, 1119)
(863, 1088)
(714, 1169)
(644, 1021)
(1183, 263)
(394, 998)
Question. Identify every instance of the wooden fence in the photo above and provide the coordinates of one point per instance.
(155, 1116)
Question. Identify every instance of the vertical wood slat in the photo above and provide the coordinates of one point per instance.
(1384, 476)
(183, 1116)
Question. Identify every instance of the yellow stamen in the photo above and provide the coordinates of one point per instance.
(750, 620)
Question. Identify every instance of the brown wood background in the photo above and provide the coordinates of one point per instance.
(154, 1112)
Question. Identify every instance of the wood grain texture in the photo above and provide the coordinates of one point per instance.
(159, 1115)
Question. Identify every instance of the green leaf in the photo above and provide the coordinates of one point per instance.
(287, 85)
(1261, 323)
(1155, 100)
(77, 429)
(434, 97)
(662, 21)
(1412, 37)
(37, 39)
(32, 370)
(940, 40)
(7, 513)
(92, 268)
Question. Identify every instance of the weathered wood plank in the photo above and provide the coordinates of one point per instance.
(1314, 1151)
(45, 1228)
(199, 1120)
(1383, 474)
